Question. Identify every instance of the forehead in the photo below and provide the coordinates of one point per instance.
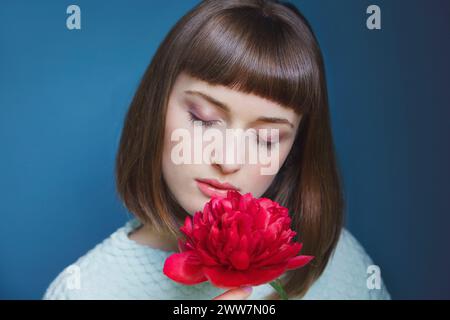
(240, 104)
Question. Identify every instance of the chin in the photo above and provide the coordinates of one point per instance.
(193, 209)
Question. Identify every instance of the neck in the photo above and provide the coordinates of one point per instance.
(145, 235)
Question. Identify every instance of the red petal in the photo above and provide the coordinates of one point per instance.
(207, 259)
(223, 278)
(240, 260)
(262, 219)
(187, 227)
(265, 203)
(184, 268)
(244, 202)
(181, 245)
(234, 197)
(285, 252)
(298, 261)
(227, 205)
(232, 240)
(244, 223)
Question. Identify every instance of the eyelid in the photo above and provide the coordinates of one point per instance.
(209, 123)
(266, 143)
(205, 123)
(268, 140)
(269, 137)
(196, 111)
(201, 118)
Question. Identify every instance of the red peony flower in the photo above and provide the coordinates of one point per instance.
(237, 240)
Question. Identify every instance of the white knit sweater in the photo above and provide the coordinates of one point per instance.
(120, 268)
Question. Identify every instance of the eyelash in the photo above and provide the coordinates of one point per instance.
(210, 123)
(206, 124)
(269, 144)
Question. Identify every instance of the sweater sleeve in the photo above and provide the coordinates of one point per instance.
(64, 286)
(80, 280)
(350, 274)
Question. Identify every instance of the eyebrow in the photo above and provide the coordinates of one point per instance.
(225, 108)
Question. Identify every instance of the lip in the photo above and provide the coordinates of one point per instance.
(211, 187)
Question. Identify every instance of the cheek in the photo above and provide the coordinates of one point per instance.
(259, 183)
(173, 122)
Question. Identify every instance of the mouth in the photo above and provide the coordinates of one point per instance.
(211, 187)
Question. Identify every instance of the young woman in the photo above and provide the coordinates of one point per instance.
(234, 64)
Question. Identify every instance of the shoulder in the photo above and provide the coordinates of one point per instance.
(350, 274)
(103, 272)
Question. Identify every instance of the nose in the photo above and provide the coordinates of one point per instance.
(231, 160)
(227, 168)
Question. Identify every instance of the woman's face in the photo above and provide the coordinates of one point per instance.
(222, 110)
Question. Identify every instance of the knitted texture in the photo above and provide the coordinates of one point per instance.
(120, 268)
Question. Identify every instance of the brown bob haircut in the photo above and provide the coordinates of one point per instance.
(260, 47)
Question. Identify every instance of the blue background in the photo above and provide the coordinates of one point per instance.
(64, 94)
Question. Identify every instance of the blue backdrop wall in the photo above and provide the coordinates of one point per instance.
(64, 94)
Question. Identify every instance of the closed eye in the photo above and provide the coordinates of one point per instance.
(269, 144)
(205, 123)
(208, 123)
